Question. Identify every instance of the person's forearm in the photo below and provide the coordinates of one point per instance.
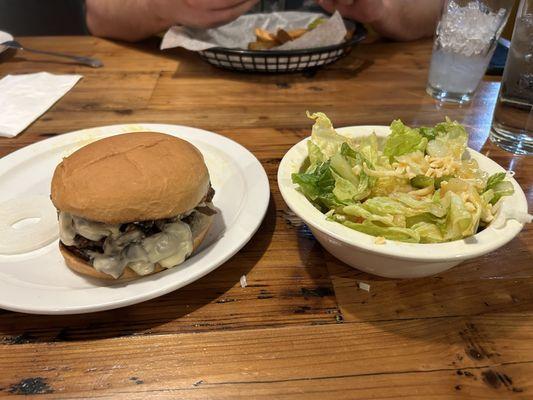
(408, 19)
(129, 20)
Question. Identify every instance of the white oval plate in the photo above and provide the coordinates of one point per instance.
(4, 37)
(39, 282)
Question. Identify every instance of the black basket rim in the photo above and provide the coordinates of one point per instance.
(359, 35)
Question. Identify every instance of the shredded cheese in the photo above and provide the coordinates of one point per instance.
(441, 166)
(379, 240)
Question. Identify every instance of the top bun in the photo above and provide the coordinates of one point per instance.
(131, 177)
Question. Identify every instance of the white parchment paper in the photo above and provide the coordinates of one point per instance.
(239, 33)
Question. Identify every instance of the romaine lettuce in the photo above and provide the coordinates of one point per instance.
(415, 186)
(403, 140)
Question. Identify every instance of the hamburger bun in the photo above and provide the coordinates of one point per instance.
(82, 267)
(131, 177)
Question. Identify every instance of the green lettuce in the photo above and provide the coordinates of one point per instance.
(420, 205)
(494, 179)
(315, 155)
(391, 233)
(369, 148)
(388, 187)
(429, 233)
(450, 140)
(459, 221)
(497, 187)
(318, 186)
(501, 189)
(324, 136)
(403, 140)
(357, 210)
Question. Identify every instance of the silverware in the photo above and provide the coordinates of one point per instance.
(91, 62)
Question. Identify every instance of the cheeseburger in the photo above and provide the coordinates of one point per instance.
(131, 205)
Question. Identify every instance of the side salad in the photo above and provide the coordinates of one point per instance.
(417, 185)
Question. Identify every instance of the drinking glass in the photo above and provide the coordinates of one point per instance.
(512, 124)
(465, 40)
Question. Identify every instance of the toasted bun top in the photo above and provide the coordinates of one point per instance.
(131, 177)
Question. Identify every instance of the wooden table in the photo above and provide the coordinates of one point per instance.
(302, 328)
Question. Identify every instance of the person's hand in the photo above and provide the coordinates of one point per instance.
(395, 19)
(202, 13)
(365, 11)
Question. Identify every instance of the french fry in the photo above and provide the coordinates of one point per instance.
(266, 40)
(296, 33)
(283, 36)
(261, 45)
(349, 34)
(264, 36)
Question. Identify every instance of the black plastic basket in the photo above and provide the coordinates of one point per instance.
(281, 61)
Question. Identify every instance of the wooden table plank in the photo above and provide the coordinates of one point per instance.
(484, 383)
(116, 56)
(447, 347)
(121, 92)
(365, 95)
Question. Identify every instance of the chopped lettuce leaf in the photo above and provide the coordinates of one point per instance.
(500, 189)
(422, 181)
(318, 186)
(391, 233)
(450, 140)
(487, 195)
(428, 132)
(343, 167)
(424, 217)
(317, 21)
(429, 233)
(369, 148)
(403, 140)
(495, 179)
(420, 206)
(315, 155)
(356, 210)
(344, 189)
(459, 220)
(348, 191)
(386, 185)
(324, 136)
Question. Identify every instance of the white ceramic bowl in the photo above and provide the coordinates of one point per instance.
(392, 259)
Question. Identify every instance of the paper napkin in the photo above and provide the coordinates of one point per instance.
(24, 98)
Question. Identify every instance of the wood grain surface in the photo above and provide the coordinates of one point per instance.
(302, 329)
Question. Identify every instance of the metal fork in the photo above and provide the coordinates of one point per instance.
(91, 62)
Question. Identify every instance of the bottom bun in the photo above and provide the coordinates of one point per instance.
(79, 265)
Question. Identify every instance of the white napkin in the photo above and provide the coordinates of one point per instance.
(24, 98)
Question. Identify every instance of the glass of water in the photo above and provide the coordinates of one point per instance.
(512, 125)
(465, 40)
